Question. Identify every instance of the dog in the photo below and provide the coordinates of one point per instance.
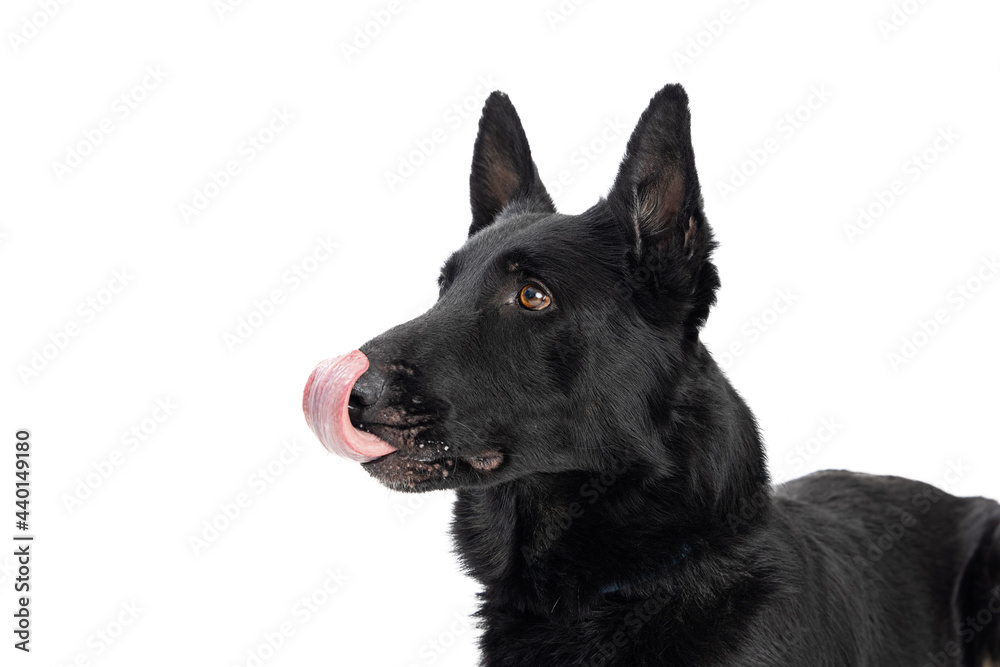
(613, 498)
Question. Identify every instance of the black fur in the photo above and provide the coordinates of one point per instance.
(613, 496)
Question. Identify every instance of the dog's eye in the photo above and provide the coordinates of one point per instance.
(533, 298)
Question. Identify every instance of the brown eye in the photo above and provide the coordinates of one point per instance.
(533, 298)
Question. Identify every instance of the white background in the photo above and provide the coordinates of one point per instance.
(401, 600)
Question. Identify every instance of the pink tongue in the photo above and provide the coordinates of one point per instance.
(324, 403)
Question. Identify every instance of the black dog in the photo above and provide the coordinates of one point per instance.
(613, 498)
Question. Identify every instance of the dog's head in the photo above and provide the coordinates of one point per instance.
(556, 339)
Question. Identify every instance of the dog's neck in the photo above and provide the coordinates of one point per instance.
(541, 544)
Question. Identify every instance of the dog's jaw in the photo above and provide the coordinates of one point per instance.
(419, 468)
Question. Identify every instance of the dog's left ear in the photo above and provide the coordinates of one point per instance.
(502, 169)
(656, 195)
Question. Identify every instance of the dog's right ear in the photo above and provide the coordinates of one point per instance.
(502, 169)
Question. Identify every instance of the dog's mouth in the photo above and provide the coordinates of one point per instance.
(422, 462)
(403, 454)
(405, 472)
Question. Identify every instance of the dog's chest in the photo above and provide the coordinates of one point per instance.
(643, 633)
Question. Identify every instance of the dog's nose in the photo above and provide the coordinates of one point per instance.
(365, 393)
(368, 387)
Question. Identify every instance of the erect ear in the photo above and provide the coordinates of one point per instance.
(502, 169)
(657, 197)
(656, 191)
